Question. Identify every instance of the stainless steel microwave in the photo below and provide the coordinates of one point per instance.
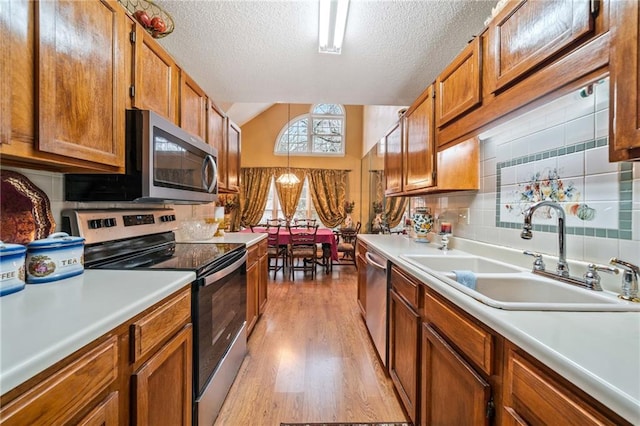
(163, 163)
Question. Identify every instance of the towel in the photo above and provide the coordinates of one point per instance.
(466, 278)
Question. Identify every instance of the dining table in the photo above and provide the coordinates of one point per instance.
(323, 236)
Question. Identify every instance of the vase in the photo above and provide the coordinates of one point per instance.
(422, 222)
(348, 221)
(376, 223)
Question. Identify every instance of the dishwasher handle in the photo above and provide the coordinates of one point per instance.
(371, 261)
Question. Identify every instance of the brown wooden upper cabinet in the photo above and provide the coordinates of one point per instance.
(419, 144)
(624, 114)
(393, 160)
(217, 138)
(76, 109)
(193, 107)
(526, 33)
(458, 86)
(156, 76)
(234, 141)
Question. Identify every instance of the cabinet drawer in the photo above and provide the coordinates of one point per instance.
(252, 255)
(157, 326)
(405, 287)
(537, 399)
(262, 248)
(473, 341)
(61, 396)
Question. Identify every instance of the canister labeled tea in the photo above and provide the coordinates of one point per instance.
(54, 258)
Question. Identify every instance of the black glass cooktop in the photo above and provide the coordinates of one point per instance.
(199, 258)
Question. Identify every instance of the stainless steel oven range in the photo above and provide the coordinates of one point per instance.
(144, 239)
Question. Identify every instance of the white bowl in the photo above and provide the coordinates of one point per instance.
(198, 230)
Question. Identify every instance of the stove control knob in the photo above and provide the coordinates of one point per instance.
(95, 224)
(109, 222)
(167, 218)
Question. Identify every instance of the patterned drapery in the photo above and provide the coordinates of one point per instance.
(289, 195)
(254, 184)
(328, 191)
(394, 209)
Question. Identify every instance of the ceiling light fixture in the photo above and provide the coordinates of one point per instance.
(332, 24)
(288, 178)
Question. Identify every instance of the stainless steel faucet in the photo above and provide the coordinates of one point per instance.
(629, 280)
(563, 268)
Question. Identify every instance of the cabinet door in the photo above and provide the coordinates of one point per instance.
(155, 77)
(419, 153)
(404, 339)
(624, 130)
(162, 391)
(459, 166)
(536, 398)
(193, 107)
(234, 141)
(264, 279)
(393, 161)
(362, 283)
(105, 414)
(217, 137)
(528, 32)
(81, 88)
(452, 392)
(253, 278)
(458, 86)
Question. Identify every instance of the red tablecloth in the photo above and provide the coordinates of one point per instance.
(324, 236)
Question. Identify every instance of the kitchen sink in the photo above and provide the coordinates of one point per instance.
(528, 292)
(508, 287)
(448, 263)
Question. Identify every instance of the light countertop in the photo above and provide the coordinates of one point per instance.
(247, 238)
(44, 323)
(597, 351)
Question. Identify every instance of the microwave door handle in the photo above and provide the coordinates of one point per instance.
(214, 180)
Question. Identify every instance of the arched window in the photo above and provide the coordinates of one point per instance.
(321, 132)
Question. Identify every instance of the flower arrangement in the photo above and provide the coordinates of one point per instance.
(228, 202)
(349, 206)
(377, 207)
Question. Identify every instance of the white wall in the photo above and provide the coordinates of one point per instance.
(376, 121)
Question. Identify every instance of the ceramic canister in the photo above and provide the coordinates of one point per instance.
(11, 268)
(422, 222)
(53, 258)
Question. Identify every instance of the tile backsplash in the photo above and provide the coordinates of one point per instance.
(558, 152)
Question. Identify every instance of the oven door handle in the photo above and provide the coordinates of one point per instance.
(216, 276)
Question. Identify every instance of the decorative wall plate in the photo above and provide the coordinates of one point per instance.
(25, 210)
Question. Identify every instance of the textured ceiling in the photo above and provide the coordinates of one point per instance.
(267, 52)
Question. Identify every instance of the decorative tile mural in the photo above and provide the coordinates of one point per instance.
(598, 204)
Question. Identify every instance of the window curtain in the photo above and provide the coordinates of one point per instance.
(289, 195)
(394, 209)
(328, 191)
(254, 186)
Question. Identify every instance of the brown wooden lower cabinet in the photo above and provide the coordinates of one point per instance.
(105, 414)
(533, 395)
(162, 392)
(453, 393)
(264, 276)
(253, 278)
(468, 374)
(138, 373)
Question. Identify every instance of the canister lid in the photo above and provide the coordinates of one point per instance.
(6, 249)
(57, 239)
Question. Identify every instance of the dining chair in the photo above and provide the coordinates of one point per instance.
(347, 244)
(275, 250)
(305, 222)
(302, 250)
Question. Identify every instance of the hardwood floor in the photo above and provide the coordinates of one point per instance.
(310, 359)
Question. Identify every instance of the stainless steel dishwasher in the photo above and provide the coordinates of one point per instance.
(377, 301)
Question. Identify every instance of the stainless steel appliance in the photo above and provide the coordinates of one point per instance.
(377, 302)
(163, 163)
(144, 239)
